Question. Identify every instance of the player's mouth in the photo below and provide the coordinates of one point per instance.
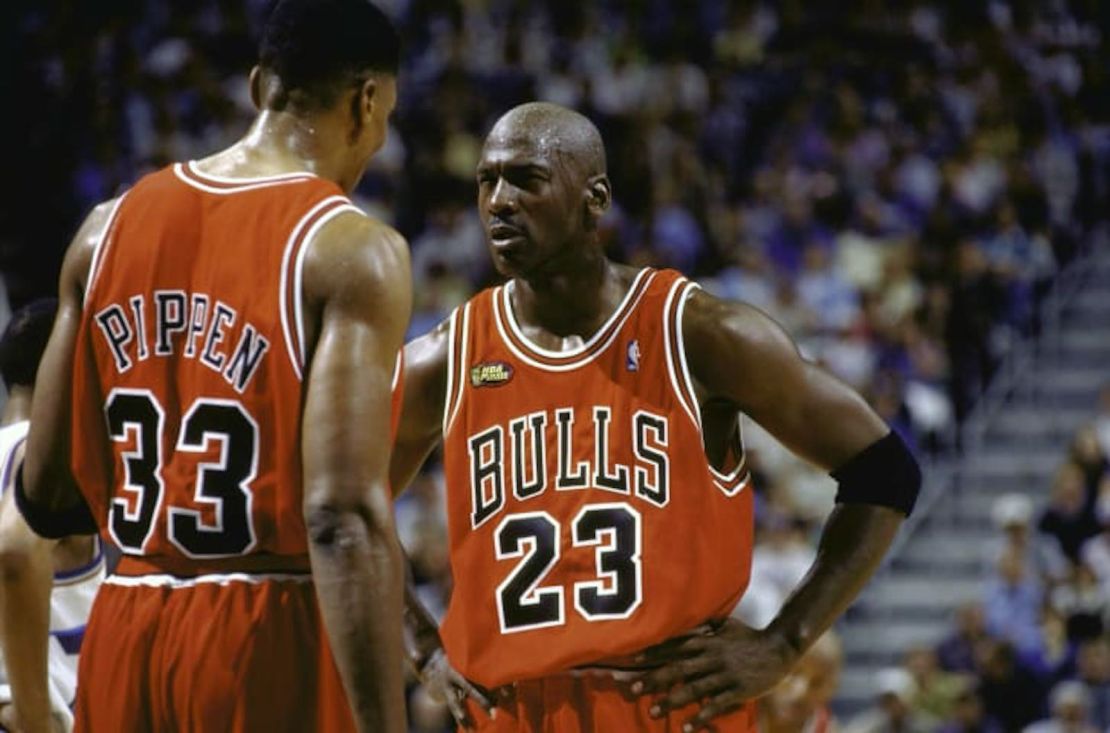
(504, 235)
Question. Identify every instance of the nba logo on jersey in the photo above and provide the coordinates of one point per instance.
(632, 356)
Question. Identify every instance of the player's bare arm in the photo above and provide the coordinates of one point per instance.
(47, 480)
(421, 424)
(26, 579)
(357, 287)
(420, 430)
(740, 356)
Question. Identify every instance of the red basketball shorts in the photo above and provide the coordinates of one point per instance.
(590, 704)
(208, 654)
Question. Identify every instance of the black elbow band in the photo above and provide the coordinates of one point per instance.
(52, 525)
(884, 473)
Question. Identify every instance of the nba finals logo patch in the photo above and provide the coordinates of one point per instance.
(490, 374)
(632, 356)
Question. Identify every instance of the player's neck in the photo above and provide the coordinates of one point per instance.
(18, 406)
(277, 143)
(576, 301)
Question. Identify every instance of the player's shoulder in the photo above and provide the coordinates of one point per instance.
(715, 327)
(355, 250)
(87, 240)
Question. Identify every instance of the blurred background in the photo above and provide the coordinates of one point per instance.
(917, 191)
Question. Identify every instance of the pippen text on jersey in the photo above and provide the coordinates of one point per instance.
(173, 323)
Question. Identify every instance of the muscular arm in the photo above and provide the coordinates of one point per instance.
(422, 413)
(357, 280)
(47, 477)
(738, 354)
(741, 358)
(26, 578)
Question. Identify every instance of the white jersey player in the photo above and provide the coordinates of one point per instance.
(46, 587)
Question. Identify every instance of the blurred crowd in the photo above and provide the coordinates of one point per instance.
(897, 183)
(1034, 653)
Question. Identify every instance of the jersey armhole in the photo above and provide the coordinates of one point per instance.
(678, 369)
(458, 341)
(291, 283)
(96, 262)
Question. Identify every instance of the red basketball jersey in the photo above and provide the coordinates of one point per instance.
(188, 377)
(585, 520)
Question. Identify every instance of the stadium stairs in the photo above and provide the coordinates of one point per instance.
(1014, 440)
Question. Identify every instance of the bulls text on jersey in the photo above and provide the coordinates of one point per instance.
(193, 325)
(514, 456)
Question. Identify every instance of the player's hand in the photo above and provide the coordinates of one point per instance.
(9, 722)
(446, 685)
(722, 666)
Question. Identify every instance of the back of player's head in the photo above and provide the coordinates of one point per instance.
(24, 340)
(318, 47)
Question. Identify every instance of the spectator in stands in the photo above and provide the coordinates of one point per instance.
(892, 712)
(968, 714)
(1069, 516)
(1095, 552)
(1081, 601)
(1070, 713)
(1053, 659)
(957, 652)
(1011, 694)
(781, 558)
(1012, 603)
(1102, 421)
(1094, 673)
(1087, 454)
(800, 703)
(1012, 514)
(937, 690)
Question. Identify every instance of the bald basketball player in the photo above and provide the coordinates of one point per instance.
(599, 507)
(216, 399)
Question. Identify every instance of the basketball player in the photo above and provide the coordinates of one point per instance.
(46, 586)
(599, 509)
(218, 387)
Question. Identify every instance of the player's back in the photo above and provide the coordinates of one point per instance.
(190, 363)
(187, 402)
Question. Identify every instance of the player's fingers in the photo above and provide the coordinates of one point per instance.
(458, 709)
(718, 706)
(687, 693)
(672, 649)
(476, 694)
(667, 676)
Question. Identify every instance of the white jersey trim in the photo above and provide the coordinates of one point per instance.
(298, 273)
(173, 582)
(242, 184)
(456, 374)
(99, 249)
(680, 289)
(618, 314)
(502, 312)
(397, 367)
(283, 306)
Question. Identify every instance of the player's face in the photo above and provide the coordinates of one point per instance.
(530, 204)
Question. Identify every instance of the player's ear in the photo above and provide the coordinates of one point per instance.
(368, 99)
(256, 87)
(599, 195)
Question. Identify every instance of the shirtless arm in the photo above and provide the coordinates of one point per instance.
(26, 578)
(357, 280)
(421, 429)
(738, 354)
(48, 480)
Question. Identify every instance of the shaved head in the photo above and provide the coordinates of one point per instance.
(557, 131)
